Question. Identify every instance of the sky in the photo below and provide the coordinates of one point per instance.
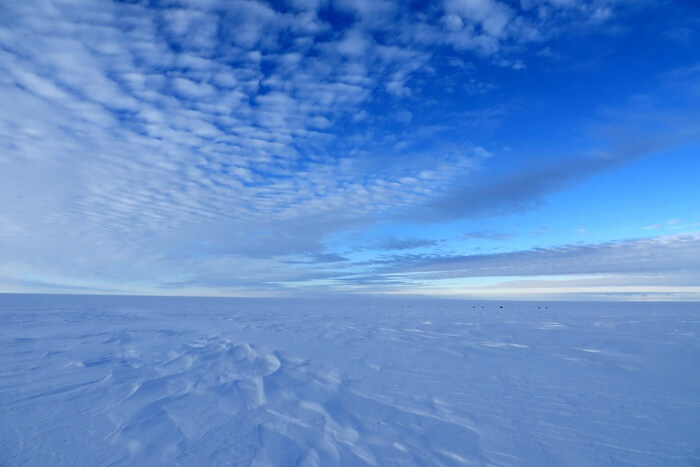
(520, 149)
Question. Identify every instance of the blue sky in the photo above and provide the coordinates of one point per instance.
(471, 148)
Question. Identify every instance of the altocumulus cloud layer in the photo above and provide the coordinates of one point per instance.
(216, 146)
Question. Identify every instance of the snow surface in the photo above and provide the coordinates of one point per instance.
(184, 381)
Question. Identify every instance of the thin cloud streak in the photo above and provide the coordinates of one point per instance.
(659, 254)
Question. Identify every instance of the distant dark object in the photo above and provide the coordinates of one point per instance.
(539, 307)
(501, 306)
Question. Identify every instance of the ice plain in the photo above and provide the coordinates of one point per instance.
(90, 380)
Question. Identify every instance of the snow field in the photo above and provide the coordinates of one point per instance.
(183, 381)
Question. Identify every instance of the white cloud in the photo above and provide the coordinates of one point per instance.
(491, 16)
(355, 43)
(129, 130)
(192, 89)
(674, 253)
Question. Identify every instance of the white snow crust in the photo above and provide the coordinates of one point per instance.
(99, 381)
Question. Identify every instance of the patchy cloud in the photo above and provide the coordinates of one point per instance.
(219, 144)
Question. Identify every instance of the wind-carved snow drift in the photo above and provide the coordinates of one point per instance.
(138, 381)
